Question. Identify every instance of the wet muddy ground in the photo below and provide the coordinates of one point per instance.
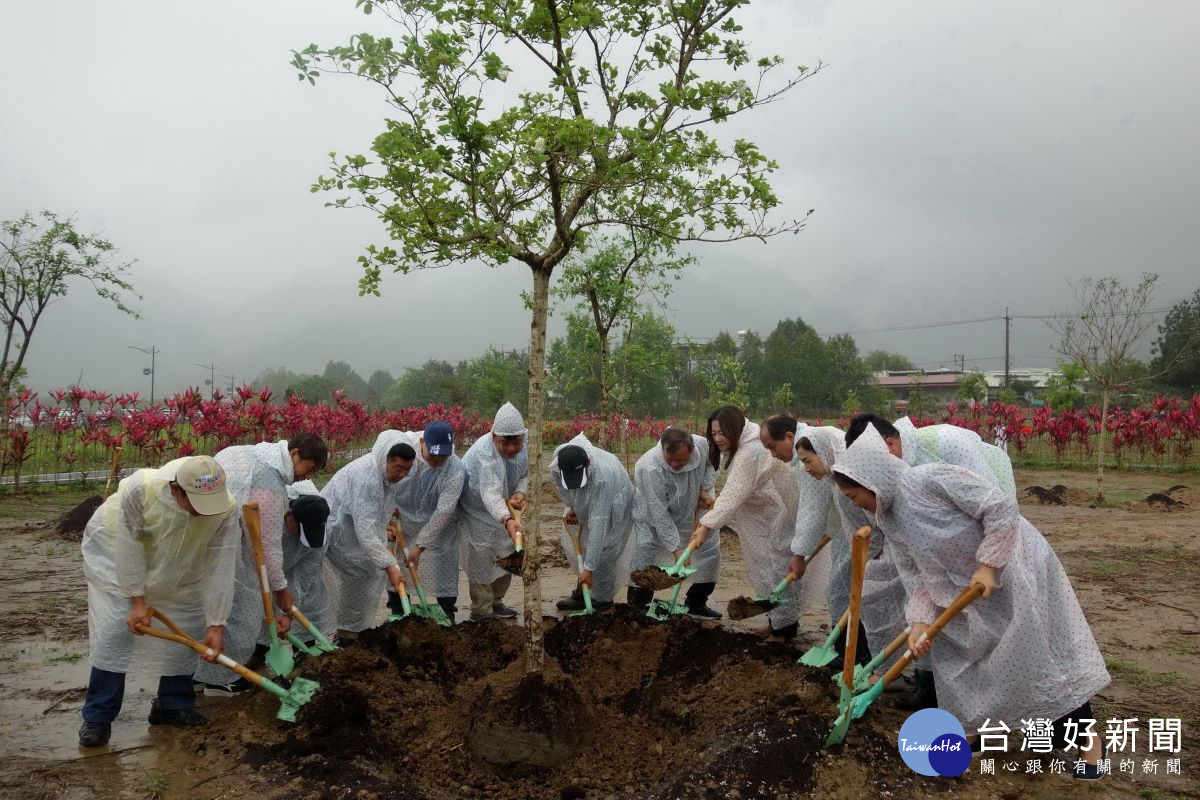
(676, 710)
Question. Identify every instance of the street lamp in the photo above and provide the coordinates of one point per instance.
(152, 352)
(212, 371)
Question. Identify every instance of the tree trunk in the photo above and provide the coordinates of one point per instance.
(1103, 438)
(533, 444)
(605, 393)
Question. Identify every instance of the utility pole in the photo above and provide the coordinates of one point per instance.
(152, 352)
(212, 371)
(231, 379)
(960, 361)
(1007, 326)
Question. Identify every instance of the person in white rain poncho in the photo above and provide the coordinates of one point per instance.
(358, 563)
(260, 473)
(304, 542)
(933, 444)
(672, 480)
(1023, 650)
(497, 475)
(428, 501)
(598, 496)
(166, 540)
(821, 511)
(759, 498)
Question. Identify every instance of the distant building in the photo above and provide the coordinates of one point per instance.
(941, 385)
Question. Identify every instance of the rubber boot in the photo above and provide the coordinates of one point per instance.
(924, 695)
(393, 602)
(639, 598)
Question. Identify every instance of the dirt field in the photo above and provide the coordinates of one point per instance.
(680, 710)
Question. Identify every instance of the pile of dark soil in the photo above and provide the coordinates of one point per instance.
(71, 524)
(1059, 495)
(656, 710)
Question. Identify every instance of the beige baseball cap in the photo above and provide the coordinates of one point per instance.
(204, 481)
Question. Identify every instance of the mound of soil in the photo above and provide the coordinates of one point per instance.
(71, 524)
(674, 710)
(1059, 495)
(1177, 498)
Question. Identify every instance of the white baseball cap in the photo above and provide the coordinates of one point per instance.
(204, 481)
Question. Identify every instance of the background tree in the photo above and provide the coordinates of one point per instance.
(1177, 348)
(1102, 337)
(1064, 388)
(432, 382)
(760, 386)
(882, 360)
(378, 385)
(495, 377)
(40, 259)
(574, 365)
(342, 376)
(614, 280)
(312, 389)
(277, 380)
(609, 127)
(973, 388)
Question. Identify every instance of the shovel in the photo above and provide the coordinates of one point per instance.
(665, 609)
(279, 655)
(320, 643)
(290, 699)
(514, 562)
(112, 472)
(862, 674)
(746, 607)
(858, 568)
(964, 599)
(405, 606)
(821, 654)
(423, 608)
(587, 591)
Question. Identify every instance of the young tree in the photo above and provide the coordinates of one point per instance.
(607, 127)
(972, 389)
(40, 259)
(1063, 388)
(615, 279)
(1101, 336)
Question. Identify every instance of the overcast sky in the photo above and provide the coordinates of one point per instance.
(961, 157)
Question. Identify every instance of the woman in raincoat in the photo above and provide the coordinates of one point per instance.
(598, 496)
(759, 497)
(260, 473)
(671, 481)
(428, 501)
(166, 539)
(1023, 650)
(359, 564)
(497, 476)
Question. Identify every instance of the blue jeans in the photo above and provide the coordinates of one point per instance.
(106, 690)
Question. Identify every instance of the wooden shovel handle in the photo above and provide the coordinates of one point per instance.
(254, 531)
(896, 644)
(964, 599)
(399, 530)
(296, 615)
(858, 569)
(112, 471)
(516, 512)
(182, 638)
(820, 545)
(573, 537)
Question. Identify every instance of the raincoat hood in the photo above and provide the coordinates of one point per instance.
(379, 450)
(828, 443)
(508, 421)
(277, 456)
(698, 459)
(869, 462)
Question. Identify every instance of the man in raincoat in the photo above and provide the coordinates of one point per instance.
(304, 543)
(260, 473)
(167, 540)
(1023, 650)
(672, 480)
(428, 501)
(497, 476)
(359, 564)
(883, 590)
(598, 496)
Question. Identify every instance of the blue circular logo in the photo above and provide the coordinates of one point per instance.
(933, 742)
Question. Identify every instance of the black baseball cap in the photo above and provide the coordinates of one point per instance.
(572, 466)
(311, 511)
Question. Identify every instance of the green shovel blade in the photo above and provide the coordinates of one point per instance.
(302, 647)
(863, 701)
(290, 700)
(587, 604)
(279, 656)
(821, 654)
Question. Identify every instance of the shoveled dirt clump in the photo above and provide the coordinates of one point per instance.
(743, 607)
(71, 524)
(653, 577)
(657, 710)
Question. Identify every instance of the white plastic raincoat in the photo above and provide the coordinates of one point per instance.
(1027, 651)
(254, 473)
(664, 510)
(604, 506)
(140, 543)
(361, 502)
(304, 567)
(825, 511)
(491, 480)
(759, 501)
(428, 500)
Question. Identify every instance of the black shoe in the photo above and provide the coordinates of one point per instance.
(227, 689)
(94, 734)
(180, 718)
(639, 598)
(393, 602)
(573, 602)
(787, 632)
(502, 611)
(704, 612)
(923, 695)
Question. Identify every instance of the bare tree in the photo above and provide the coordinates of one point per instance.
(1101, 336)
(40, 257)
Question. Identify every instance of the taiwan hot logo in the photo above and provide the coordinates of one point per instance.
(932, 742)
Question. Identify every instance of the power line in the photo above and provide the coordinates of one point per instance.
(997, 318)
